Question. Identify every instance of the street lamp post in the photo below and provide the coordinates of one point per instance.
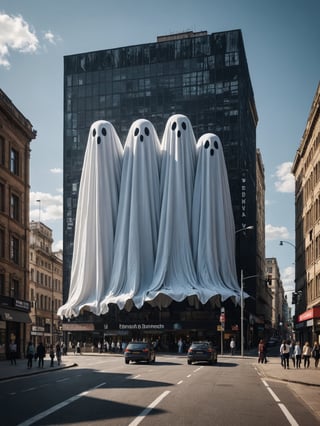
(246, 228)
(287, 242)
(241, 314)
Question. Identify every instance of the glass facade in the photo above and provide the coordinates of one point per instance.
(204, 76)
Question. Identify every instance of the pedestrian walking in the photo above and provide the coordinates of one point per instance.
(297, 354)
(291, 353)
(13, 352)
(180, 346)
(78, 348)
(306, 354)
(30, 354)
(58, 353)
(316, 353)
(41, 353)
(51, 353)
(262, 352)
(232, 345)
(284, 353)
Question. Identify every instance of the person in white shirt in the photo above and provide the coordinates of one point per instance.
(284, 353)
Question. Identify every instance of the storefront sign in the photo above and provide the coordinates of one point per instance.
(141, 326)
(309, 314)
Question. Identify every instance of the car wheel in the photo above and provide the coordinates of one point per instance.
(210, 362)
(189, 362)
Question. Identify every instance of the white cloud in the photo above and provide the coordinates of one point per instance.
(15, 34)
(56, 170)
(287, 278)
(276, 232)
(56, 246)
(49, 36)
(49, 208)
(284, 178)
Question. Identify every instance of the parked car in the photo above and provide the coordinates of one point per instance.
(139, 351)
(202, 351)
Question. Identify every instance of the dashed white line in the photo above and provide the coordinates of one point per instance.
(147, 410)
(57, 407)
(29, 390)
(179, 383)
(282, 407)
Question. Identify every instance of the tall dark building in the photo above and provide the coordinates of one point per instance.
(203, 76)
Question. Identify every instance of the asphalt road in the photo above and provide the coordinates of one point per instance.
(106, 391)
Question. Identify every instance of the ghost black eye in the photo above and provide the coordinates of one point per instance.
(104, 131)
(184, 126)
(174, 125)
(136, 131)
(216, 145)
(94, 132)
(206, 145)
(146, 131)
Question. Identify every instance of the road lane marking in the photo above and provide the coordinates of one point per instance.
(288, 415)
(57, 407)
(179, 383)
(147, 410)
(29, 389)
(197, 369)
(189, 375)
(282, 407)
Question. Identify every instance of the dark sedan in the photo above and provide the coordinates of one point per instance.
(139, 351)
(202, 351)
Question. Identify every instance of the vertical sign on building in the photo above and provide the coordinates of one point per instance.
(243, 199)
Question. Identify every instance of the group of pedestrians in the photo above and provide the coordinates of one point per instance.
(38, 354)
(293, 351)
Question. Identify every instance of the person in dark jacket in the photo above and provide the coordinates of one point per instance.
(41, 352)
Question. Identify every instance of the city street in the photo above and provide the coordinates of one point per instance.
(102, 390)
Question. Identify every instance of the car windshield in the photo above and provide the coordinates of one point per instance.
(200, 346)
(134, 346)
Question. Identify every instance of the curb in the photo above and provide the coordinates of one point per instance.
(35, 372)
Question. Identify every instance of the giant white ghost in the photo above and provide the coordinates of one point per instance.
(213, 229)
(174, 276)
(138, 218)
(95, 220)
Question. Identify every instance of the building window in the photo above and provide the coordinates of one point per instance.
(2, 242)
(15, 207)
(15, 288)
(2, 151)
(14, 162)
(2, 284)
(14, 250)
(2, 197)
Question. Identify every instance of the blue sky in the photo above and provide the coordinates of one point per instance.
(282, 46)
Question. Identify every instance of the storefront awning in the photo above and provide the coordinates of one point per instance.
(7, 314)
(309, 314)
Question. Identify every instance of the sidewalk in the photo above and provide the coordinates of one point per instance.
(305, 376)
(8, 371)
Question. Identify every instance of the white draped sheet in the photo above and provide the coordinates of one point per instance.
(95, 220)
(174, 275)
(213, 229)
(138, 219)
